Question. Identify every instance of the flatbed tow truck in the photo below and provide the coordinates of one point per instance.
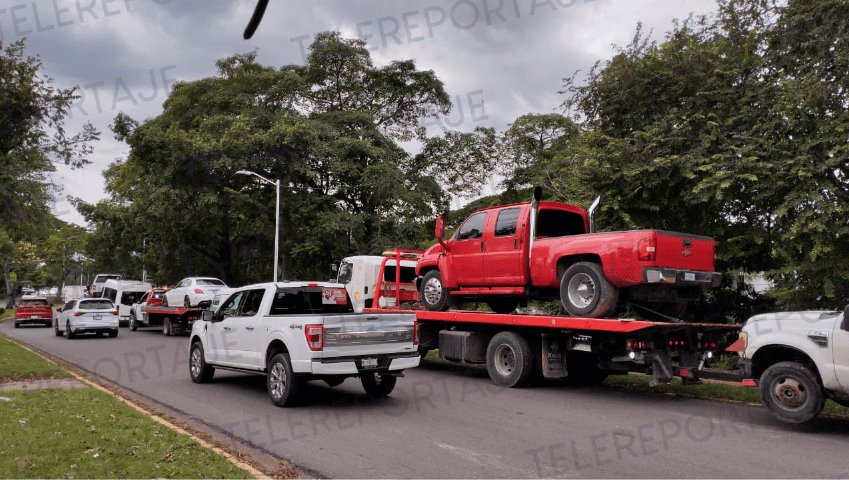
(519, 348)
(172, 320)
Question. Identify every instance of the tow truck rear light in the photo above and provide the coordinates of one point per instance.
(647, 249)
(315, 337)
(198, 291)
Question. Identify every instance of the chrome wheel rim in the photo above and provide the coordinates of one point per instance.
(195, 363)
(277, 380)
(433, 291)
(581, 290)
(505, 360)
(789, 392)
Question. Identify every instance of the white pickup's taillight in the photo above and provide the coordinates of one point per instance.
(647, 249)
(315, 337)
(415, 332)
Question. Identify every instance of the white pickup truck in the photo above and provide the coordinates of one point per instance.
(293, 332)
(798, 360)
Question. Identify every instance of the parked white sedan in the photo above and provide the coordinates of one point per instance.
(193, 292)
(87, 315)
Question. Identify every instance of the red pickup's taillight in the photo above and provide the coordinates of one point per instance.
(647, 249)
(198, 291)
(415, 332)
(315, 337)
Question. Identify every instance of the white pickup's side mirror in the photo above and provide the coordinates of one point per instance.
(206, 316)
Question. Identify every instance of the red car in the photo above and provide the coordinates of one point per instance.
(505, 255)
(33, 310)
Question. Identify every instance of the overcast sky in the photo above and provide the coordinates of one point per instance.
(498, 58)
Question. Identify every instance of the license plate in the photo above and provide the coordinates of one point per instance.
(368, 362)
(98, 317)
(33, 316)
(689, 276)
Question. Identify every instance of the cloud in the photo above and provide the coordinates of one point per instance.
(498, 58)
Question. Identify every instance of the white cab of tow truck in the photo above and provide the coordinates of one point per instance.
(360, 274)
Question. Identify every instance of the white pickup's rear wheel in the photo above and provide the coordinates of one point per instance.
(378, 385)
(281, 382)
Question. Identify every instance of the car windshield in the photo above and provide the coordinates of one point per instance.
(129, 298)
(36, 302)
(159, 294)
(346, 271)
(209, 281)
(103, 278)
(96, 305)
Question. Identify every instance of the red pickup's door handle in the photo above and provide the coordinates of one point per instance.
(515, 243)
(482, 244)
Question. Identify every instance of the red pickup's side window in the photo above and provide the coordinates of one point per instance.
(473, 227)
(505, 226)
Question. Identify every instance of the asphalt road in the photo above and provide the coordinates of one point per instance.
(445, 421)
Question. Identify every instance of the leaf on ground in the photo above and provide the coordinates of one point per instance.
(21, 463)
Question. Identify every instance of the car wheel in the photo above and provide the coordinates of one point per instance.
(433, 295)
(378, 385)
(792, 392)
(585, 292)
(167, 329)
(502, 304)
(165, 300)
(509, 359)
(113, 333)
(199, 370)
(186, 302)
(56, 329)
(17, 325)
(281, 382)
(68, 333)
(133, 326)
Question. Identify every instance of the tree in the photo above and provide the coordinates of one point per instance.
(32, 138)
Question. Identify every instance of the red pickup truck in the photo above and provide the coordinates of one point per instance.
(505, 255)
(32, 310)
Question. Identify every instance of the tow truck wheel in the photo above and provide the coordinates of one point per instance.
(378, 385)
(434, 296)
(281, 381)
(509, 360)
(186, 302)
(199, 370)
(585, 292)
(167, 329)
(792, 392)
(133, 326)
(502, 304)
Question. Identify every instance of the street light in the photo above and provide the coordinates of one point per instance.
(276, 183)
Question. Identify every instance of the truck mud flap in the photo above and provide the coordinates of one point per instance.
(661, 368)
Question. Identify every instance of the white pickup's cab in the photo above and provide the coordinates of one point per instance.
(798, 360)
(297, 331)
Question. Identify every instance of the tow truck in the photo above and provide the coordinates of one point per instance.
(518, 348)
(172, 320)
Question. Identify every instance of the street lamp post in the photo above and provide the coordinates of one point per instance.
(276, 184)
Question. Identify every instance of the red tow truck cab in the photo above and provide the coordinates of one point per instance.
(504, 255)
(33, 310)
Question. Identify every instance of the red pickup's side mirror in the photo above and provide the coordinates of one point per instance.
(439, 232)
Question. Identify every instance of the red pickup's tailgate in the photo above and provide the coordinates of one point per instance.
(684, 251)
(28, 311)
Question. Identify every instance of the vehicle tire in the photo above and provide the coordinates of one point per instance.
(17, 325)
(165, 300)
(186, 302)
(378, 385)
(583, 369)
(113, 333)
(167, 328)
(433, 295)
(68, 333)
(56, 329)
(792, 392)
(281, 382)
(509, 360)
(500, 304)
(133, 326)
(199, 370)
(585, 292)
(333, 381)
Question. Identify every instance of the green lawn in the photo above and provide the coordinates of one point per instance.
(17, 363)
(74, 433)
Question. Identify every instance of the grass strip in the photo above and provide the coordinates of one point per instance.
(85, 433)
(18, 363)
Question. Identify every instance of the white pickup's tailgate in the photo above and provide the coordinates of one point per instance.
(359, 334)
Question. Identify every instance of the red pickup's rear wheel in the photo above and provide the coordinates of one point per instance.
(585, 292)
(434, 296)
